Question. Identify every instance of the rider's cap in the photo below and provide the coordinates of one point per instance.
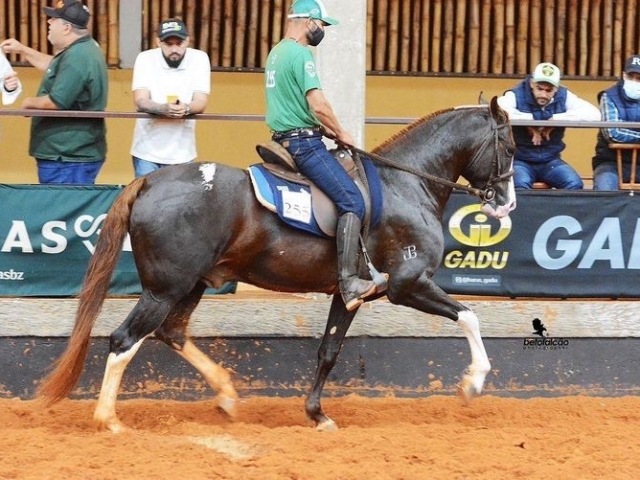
(548, 73)
(314, 9)
(73, 11)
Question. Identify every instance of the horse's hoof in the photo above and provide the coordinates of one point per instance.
(466, 391)
(113, 426)
(228, 405)
(327, 425)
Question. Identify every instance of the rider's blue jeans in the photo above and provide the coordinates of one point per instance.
(316, 163)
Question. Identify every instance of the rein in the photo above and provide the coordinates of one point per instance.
(485, 194)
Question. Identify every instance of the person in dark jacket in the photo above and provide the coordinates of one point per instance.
(619, 103)
(541, 97)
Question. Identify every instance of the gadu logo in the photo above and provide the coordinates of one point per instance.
(477, 231)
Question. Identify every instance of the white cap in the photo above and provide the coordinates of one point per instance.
(548, 73)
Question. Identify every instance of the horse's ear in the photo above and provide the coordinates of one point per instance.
(481, 99)
(496, 112)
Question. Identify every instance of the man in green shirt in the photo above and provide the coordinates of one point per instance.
(296, 111)
(67, 150)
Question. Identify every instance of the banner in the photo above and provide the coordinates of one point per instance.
(555, 244)
(49, 232)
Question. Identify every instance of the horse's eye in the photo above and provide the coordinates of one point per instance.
(510, 151)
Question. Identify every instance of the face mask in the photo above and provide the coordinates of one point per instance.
(314, 37)
(632, 89)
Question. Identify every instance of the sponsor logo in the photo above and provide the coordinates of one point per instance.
(54, 236)
(11, 275)
(470, 227)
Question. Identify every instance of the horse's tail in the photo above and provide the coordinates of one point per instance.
(68, 368)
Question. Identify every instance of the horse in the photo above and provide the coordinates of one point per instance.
(199, 225)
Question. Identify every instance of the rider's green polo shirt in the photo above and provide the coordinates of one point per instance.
(290, 73)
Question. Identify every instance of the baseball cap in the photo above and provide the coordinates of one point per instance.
(632, 64)
(172, 27)
(314, 9)
(548, 73)
(73, 11)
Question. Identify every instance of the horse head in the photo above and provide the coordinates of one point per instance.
(490, 169)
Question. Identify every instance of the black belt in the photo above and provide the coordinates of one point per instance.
(296, 132)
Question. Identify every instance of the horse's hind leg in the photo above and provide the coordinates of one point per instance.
(173, 332)
(473, 379)
(124, 342)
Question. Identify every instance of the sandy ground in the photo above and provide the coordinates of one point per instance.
(381, 438)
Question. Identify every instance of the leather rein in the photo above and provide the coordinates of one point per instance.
(485, 194)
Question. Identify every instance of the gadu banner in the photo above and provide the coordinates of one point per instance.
(555, 244)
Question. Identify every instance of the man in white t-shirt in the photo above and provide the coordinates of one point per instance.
(172, 81)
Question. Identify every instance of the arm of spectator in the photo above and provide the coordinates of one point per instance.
(38, 59)
(610, 114)
(39, 103)
(507, 102)
(578, 109)
(11, 86)
(143, 103)
(199, 103)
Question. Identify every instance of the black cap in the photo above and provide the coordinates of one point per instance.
(172, 27)
(632, 64)
(73, 11)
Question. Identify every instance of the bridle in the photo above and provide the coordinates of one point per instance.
(485, 194)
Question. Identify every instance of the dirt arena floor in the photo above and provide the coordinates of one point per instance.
(380, 438)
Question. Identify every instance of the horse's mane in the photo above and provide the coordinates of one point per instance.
(420, 122)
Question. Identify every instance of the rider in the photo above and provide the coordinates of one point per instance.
(296, 110)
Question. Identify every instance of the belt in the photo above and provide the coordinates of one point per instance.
(296, 132)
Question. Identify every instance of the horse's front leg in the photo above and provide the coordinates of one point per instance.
(426, 296)
(473, 379)
(338, 323)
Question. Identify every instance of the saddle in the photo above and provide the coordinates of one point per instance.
(279, 163)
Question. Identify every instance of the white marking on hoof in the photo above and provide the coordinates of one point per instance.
(228, 405)
(113, 425)
(466, 391)
(327, 425)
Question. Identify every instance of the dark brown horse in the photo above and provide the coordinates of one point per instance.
(199, 225)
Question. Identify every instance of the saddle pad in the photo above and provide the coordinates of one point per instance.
(291, 201)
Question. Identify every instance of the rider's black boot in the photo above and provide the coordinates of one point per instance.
(353, 289)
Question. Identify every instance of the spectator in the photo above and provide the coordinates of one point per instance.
(296, 110)
(11, 86)
(541, 97)
(67, 150)
(619, 103)
(171, 81)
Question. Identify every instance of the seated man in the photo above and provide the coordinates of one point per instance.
(619, 103)
(538, 149)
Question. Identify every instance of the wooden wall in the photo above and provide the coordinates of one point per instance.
(460, 37)
(24, 20)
